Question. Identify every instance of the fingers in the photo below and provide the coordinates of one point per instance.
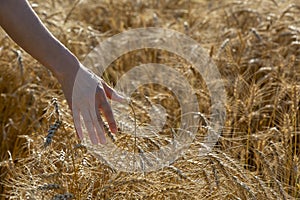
(92, 118)
(112, 94)
(92, 121)
(102, 103)
(88, 121)
(77, 123)
(98, 122)
(87, 104)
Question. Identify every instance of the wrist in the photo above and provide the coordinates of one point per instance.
(66, 72)
(65, 67)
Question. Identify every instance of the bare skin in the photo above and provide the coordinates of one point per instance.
(23, 25)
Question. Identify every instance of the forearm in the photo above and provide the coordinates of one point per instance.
(22, 24)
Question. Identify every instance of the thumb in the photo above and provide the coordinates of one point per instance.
(112, 94)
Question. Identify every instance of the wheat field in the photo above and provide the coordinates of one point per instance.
(256, 47)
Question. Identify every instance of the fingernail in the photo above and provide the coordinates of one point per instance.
(114, 130)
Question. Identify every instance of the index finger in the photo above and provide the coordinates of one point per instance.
(104, 106)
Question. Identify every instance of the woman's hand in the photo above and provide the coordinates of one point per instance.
(85, 92)
(89, 95)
